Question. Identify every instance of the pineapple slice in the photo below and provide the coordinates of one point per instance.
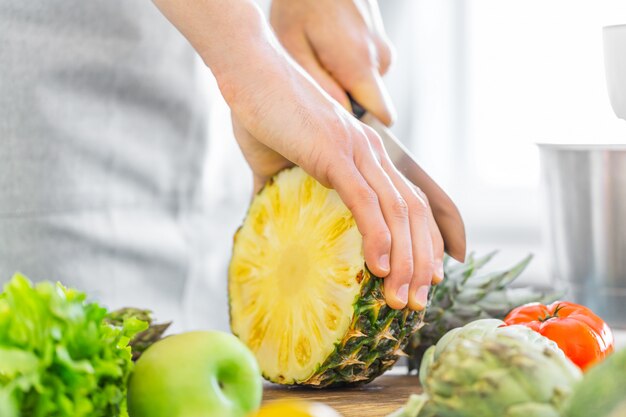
(300, 295)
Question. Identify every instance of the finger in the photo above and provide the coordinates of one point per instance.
(362, 201)
(395, 212)
(426, 239)
(303, 53)
(358, 71)
(386, 54)
(368, 89)
(437, 240)
(422, 247)
(384, 48)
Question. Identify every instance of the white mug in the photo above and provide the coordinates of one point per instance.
(615, 67)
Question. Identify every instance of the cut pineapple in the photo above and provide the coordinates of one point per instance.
(300, 295)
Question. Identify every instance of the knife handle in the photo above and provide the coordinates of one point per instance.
(357, 109)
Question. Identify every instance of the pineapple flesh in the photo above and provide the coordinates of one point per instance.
(300, 294)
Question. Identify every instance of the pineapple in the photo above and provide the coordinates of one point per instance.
(300, 294)
(465, 296)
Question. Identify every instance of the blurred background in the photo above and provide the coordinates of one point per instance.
(477, 83)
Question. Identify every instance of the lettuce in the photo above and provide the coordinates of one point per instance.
(58, 355)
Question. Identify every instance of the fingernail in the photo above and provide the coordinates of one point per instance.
(438, 275)
(383, 263)
(403, 293)
(421, 295)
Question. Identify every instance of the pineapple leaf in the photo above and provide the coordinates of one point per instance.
(458, 268)
(482, 261)
(516, 271)
(467, 269)
(467, 295)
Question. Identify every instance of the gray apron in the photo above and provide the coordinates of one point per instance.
(103, 141)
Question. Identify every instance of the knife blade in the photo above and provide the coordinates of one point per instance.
(444, 210)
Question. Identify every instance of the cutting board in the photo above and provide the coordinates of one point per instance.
(377, 399)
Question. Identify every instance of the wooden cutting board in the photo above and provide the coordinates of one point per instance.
(377, 399)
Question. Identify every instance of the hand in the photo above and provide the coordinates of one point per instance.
(280, 110)
(264, 161)
(342, 44)
(284, 118)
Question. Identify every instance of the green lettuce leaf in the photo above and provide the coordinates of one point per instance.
(58, 355)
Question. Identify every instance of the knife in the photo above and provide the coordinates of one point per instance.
(444, 210)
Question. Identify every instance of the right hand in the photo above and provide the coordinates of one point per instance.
(342, 44)
(280, 112)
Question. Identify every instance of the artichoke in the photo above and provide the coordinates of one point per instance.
(602, 392)
(484, 370)
(412, 407)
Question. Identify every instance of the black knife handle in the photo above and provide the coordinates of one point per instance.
(357, 109)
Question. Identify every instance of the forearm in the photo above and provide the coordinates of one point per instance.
(252, 69)
(222, 32)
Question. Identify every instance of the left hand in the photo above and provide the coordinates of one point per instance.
(263, 160)
(342, 44)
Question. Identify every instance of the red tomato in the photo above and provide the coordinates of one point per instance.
(582, 335)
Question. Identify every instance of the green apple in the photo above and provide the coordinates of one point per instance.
(195, 374)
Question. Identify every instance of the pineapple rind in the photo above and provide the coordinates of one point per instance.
(362, 359)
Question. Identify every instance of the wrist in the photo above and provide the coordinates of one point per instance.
(239, 28)
(252, 70)
(220, 31)
(245, 55)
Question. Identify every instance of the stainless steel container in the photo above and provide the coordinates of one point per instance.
(585, 220)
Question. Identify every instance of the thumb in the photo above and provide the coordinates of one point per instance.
(370, 92)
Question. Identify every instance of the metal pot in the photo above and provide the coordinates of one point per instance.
(585, 220)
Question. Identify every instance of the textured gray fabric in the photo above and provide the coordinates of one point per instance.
(102, 142)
